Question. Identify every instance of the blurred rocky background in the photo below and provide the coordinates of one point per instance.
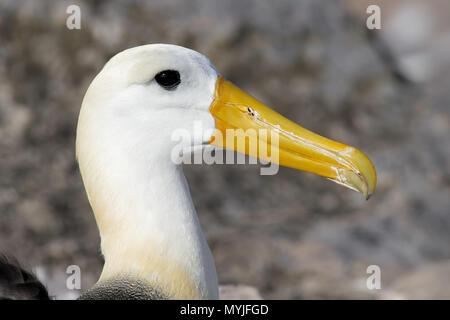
(293, 235)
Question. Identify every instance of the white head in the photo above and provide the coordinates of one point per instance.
(148, 225)
(130, 109)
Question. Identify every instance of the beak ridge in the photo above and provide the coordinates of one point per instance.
(250, 126)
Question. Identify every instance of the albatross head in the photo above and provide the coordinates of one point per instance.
(125, 145)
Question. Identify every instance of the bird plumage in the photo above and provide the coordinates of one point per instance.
(16, 283)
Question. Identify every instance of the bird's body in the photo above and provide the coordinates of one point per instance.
(129, 122)
(123, 289)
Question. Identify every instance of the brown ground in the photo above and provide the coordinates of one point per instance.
(292, 235)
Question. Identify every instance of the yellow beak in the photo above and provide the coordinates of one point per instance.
(246, 125)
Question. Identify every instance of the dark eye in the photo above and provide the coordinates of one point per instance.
(168, 79)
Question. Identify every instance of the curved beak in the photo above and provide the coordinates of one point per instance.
(246, 125)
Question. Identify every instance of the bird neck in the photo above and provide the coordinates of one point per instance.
(148, 225)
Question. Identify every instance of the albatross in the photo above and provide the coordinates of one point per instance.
(151, 239)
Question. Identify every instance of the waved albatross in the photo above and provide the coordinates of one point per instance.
(151, 238)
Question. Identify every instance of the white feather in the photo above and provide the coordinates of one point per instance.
(141, 201)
